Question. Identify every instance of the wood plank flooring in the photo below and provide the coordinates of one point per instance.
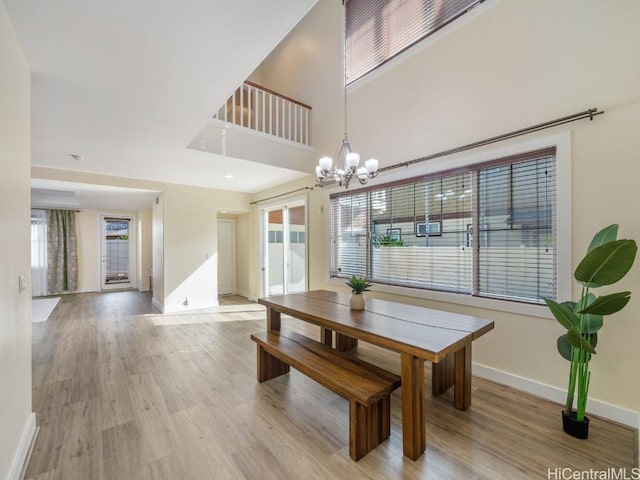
(121, 392)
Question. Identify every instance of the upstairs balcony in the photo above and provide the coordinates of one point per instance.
(263, 110)
(260, 125)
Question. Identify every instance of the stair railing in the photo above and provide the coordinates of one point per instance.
(258, 108)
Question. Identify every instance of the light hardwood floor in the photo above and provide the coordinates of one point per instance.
(123, 393)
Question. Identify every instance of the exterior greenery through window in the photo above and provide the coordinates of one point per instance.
(378, 30)
(486, 230)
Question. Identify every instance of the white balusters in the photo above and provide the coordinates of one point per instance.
(259, 109)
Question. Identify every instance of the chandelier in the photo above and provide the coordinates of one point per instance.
(326, 171)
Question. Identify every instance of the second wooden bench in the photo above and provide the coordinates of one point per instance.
(365, 386)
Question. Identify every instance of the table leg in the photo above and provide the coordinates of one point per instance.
(462, 378)
(442, 377)
(273, 319)
(345, 342)
(413, 406)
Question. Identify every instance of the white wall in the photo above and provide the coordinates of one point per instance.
(17, 422)
(546, 59)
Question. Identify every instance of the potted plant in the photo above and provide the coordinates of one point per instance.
(387, 241)
(358, 285)
(606, 262)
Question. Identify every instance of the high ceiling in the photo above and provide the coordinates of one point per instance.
(129, 84)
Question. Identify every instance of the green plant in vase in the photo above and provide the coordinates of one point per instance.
(358, 285)
(607, 261)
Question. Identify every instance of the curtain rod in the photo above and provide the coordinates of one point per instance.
(589, 113)
(52, 208)
(280, 195)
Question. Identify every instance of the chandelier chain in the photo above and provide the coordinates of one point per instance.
(326, 171)
(344, 63)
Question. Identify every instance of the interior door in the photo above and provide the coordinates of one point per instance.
(116, 253)
(226, 257)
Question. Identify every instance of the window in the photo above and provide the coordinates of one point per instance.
(378, 30)
(486, 230)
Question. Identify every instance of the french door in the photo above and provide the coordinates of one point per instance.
(284, 248)
(116, 271)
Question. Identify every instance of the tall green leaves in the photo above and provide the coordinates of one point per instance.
(607, 261)
(606, 264)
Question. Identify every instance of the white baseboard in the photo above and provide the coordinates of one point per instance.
(242, 293)
(596, 407)
(24, 449)
(190, 306)
(157, 305)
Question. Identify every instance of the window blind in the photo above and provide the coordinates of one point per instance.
(517, 225)
(378, 30)
(349, 236)
(486, 230)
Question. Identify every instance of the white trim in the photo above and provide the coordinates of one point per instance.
(258, 133)
(263, 225)
(25, 446)
(133, 257)
(157, 305)
(638, 437)
(606, 410)
(243, 293)
(459, 299)
(191, 306)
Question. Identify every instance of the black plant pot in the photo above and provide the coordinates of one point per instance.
(573, 427)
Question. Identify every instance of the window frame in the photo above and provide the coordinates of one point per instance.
(423, 40)
(562, 144)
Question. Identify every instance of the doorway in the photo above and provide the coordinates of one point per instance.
(284, 248)
(226, 256)
(116, 271)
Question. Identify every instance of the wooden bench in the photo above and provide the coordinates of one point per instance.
(365, 386)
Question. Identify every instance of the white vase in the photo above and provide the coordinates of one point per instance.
(357, 301)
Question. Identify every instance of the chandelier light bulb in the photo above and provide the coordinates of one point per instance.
(352, 159)
(325, 163)
(371, 165)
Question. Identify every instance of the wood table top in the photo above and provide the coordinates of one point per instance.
(423, 332)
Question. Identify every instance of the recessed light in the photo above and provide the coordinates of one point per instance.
(228, 175)
(77, 157)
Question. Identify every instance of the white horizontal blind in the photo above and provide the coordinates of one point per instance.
(517, 226)
(421, 232)
(377, 30)
(349, 236)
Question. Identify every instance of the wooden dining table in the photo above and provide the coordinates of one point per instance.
(418, 334)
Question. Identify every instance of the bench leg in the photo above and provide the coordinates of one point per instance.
(368, 426)
(345, 342)
(269, 366)
(326, 336)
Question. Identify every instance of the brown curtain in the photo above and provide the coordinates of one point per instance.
(62, 256)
